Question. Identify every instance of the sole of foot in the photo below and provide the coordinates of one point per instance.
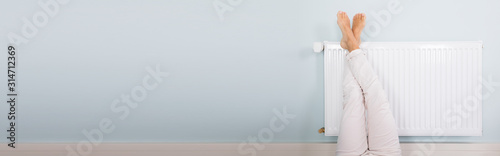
(358, 24)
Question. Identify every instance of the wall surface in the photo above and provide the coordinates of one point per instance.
(248, 73)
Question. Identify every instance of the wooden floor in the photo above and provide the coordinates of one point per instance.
(234, 149)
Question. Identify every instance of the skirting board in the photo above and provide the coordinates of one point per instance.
(232, 149)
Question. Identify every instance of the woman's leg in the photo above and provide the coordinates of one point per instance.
(382, 131)
(352, 137)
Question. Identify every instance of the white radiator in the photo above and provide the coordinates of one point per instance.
(434, 87)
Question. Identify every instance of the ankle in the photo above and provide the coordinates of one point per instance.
(353, 46)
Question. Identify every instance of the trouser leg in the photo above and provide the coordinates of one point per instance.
(382, 131)
(352, 137)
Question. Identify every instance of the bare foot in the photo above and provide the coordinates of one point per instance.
(348, 41)
(358, 23)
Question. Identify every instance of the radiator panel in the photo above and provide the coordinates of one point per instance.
(434, 87)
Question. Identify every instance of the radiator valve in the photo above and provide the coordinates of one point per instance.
(321, 130)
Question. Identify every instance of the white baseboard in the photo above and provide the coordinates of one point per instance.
(232, 149)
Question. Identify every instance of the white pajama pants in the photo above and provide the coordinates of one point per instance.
(373, 132)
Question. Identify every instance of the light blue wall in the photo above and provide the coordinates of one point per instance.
(226, 77)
